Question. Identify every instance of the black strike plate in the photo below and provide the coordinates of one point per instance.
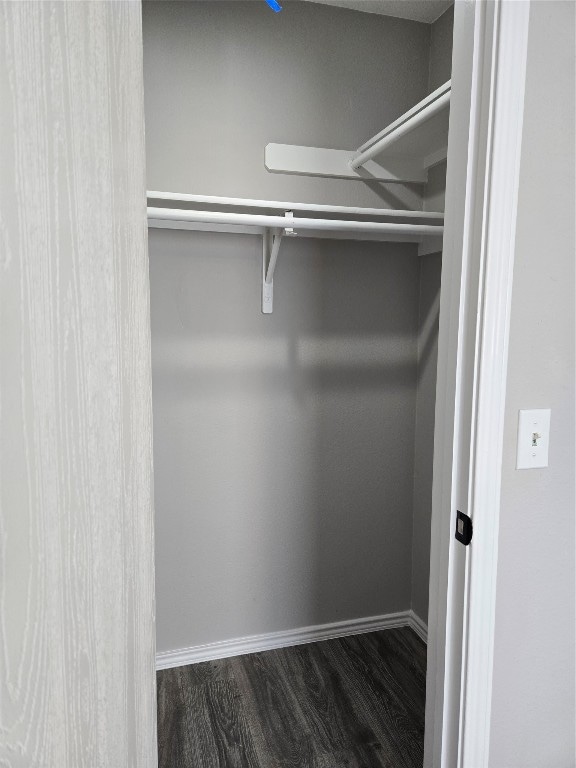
(463, 528)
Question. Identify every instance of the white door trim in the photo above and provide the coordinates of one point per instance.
(482, 183)
(497, 259)
(454, 389)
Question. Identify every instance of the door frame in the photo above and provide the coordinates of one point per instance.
(486, 117)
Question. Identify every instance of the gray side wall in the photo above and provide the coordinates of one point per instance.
(533, 712)
(440, 70)
(429, 306)
(440, 64)
(76, 569)
(430, 270)
(284, 444)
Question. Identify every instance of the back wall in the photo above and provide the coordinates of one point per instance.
(284, 444)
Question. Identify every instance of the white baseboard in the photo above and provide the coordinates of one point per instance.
(238, 646)
(419, 626)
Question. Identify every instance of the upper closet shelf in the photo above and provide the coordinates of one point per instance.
(402, 152)
(274, 220)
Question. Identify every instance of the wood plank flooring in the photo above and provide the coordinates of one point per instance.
(354, 702)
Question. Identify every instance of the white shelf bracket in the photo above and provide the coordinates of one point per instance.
(270, 248)
(401, 153)
(270, 243)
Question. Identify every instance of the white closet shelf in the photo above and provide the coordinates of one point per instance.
(243, 202)
(402, 152)
(273, 226)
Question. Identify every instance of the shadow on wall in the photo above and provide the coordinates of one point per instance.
(429, 309)
(429, 314)
(283, 443)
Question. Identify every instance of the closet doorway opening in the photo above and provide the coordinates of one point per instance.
(305, 285)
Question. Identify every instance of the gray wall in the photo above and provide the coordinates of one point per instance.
(429, 307)
(76, 570)
(430, 269)
(533, 712)
(223, 79)
(440, 70)
(284, 444)
(440, 66)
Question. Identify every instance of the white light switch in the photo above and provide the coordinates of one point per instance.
(533, 438)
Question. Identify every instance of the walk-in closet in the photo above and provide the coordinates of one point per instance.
(296, 166)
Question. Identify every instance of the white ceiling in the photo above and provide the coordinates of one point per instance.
(416, 10)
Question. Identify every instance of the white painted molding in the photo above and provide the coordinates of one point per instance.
(497, 257)
(480, 227)
(267, 642)
(418, 625)
(472, 76)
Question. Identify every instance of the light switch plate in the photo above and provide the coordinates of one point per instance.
(533, 438)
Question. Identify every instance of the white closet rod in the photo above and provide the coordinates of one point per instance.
(435, 103)
(279, 222)
(271, 204)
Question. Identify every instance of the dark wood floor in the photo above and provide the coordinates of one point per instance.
(354, 702)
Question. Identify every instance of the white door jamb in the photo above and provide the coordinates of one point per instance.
(478, 255)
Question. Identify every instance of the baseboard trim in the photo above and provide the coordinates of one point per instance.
(419, 626)
(267, 642)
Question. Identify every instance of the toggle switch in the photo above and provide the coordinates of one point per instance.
(533, 438)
